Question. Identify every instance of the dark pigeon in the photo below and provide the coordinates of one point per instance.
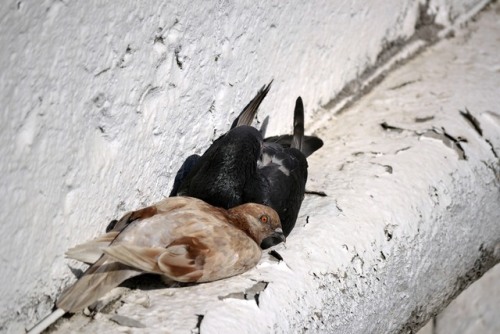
(241, 167)
(244, 118)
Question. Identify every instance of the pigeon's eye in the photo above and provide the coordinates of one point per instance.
(264, 219)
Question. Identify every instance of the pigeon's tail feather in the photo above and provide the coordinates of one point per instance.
(100, 278)
(247, 115)
(298, 125)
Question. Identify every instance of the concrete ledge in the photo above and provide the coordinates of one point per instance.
(410, 219)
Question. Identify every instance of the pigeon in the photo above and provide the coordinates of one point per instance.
(244, 118)
(242, 167)
(181, 238)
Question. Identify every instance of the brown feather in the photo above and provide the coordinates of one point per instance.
(182, 238)
(141, 258)
(99, 278)
(91, 251)
(134, 215)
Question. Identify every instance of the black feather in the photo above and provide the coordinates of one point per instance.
(186, 167)
(248, 114)
(227, 170)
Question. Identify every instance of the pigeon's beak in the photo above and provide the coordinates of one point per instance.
(274, 239)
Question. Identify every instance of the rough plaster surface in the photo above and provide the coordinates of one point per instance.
(102, 102)
(475, 310)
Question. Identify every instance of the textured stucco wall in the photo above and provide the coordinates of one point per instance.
(101, 102)
(475, 310)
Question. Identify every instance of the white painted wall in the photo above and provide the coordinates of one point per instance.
(475, 310)
(102, 101)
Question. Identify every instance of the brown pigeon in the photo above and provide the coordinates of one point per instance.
(182, 238)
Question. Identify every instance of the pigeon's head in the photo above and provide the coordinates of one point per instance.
(259, 222)
(244, 140)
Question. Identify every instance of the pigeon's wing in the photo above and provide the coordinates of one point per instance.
(182, 173)
(141, 258)
(247, 115)
(285, 171)
(310, 144)
(147, 212)
(189, 181)
(99, 278)
(181, 261)
(184, 259)
(91, 251)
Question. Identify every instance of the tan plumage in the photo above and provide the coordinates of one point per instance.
(182, 238)
(91, 251)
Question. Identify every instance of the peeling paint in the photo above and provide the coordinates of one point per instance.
(448, 140)
(126, 321)
(252, 293)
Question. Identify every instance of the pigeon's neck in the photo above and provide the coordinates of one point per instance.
(240, 221)
(256, 189)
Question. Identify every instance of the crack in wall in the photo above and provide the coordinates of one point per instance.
(495, 154)
(472, 121)
(388, 127)
(316, 193)
(197, 328)
(277, 255)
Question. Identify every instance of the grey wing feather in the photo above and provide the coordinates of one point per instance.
(247, 115)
